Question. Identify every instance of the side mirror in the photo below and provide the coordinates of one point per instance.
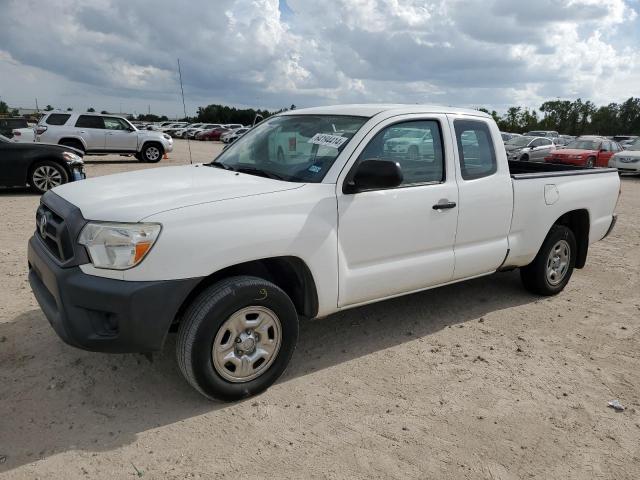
(374, 175)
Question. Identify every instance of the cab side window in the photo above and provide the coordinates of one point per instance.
(538, 143)
(415, 145)
(475, 147)
(111, 123)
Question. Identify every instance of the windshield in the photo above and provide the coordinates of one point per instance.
(295, 148)
(584, 145)
(519, 141)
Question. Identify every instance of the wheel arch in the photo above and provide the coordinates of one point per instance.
(151, 141)
(578, 221)
(34, 161)
(289, 273)
(75, 140)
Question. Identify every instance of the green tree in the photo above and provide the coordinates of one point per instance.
(69, 109)
(91, 109)
(4, 108)
(48, 108)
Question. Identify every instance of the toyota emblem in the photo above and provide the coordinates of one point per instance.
(42, 226)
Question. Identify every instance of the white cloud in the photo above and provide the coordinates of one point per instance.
(463, 52)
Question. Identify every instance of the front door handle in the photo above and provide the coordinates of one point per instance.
(444, 205)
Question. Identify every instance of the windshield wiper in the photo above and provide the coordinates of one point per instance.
(219, 165)
(259, 172)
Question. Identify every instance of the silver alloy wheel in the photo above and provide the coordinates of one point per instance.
(247, 344)
(45, 177)
(558, 262)
(152, 153)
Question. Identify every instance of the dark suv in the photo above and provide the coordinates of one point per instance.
(8, 124)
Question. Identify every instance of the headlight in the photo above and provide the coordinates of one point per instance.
(72, 158)
(118, 246)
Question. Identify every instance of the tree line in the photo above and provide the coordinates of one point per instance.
(573, 118)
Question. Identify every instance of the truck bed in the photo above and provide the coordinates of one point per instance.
(524, 170)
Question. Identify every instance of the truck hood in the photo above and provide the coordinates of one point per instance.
(133, 196)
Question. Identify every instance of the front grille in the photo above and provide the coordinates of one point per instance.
(58, 224)
(53, 232)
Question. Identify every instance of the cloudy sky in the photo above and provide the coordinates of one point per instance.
(120, 55)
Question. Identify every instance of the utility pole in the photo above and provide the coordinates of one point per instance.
(37, 109)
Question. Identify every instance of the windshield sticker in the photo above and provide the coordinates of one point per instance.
(327, 140)
(314, 169)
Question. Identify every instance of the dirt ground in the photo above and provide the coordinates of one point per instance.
(476, 380)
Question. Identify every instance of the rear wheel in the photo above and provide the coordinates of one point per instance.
(553, 266)
(237, 338)
(46, 175)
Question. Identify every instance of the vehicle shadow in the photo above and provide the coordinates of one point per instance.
(55, 398)
(121, 161)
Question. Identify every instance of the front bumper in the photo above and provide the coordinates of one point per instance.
(102, 314)
(629, 167)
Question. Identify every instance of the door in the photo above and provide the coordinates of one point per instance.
(91, 129)
(486, 198)
(12, 165)
(541, 149)
(393, 241)
(605, 153)
(120, 135)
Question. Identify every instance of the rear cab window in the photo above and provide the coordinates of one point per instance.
(475, 149)
(57, 119)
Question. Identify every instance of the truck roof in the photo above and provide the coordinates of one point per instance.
(371, 109)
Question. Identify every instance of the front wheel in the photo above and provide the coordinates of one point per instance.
(236, 338)
(46, 175)
(590, 162)
(151, 153)
(553, 266)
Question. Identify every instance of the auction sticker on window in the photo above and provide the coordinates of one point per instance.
(327, 140)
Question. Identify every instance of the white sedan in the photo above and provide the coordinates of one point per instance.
(23, 135)
(627, 161)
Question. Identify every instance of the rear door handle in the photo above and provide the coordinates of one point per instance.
(444, 205)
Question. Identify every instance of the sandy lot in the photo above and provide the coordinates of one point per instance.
(476, 380)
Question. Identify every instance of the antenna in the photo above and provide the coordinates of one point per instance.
(184, 107)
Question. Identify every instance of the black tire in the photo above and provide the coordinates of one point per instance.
(535, 277)
(69, 142)
(45, 175)
(524, 158)
(591, 162)
(151, 152)
(204, 318)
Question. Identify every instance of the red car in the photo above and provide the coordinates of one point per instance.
(213, 134)
(586, 152)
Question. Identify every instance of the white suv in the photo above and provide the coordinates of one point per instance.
(97, 134)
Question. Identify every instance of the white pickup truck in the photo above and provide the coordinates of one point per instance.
(233, 252)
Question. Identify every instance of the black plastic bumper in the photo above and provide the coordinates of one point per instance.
(102, 314)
